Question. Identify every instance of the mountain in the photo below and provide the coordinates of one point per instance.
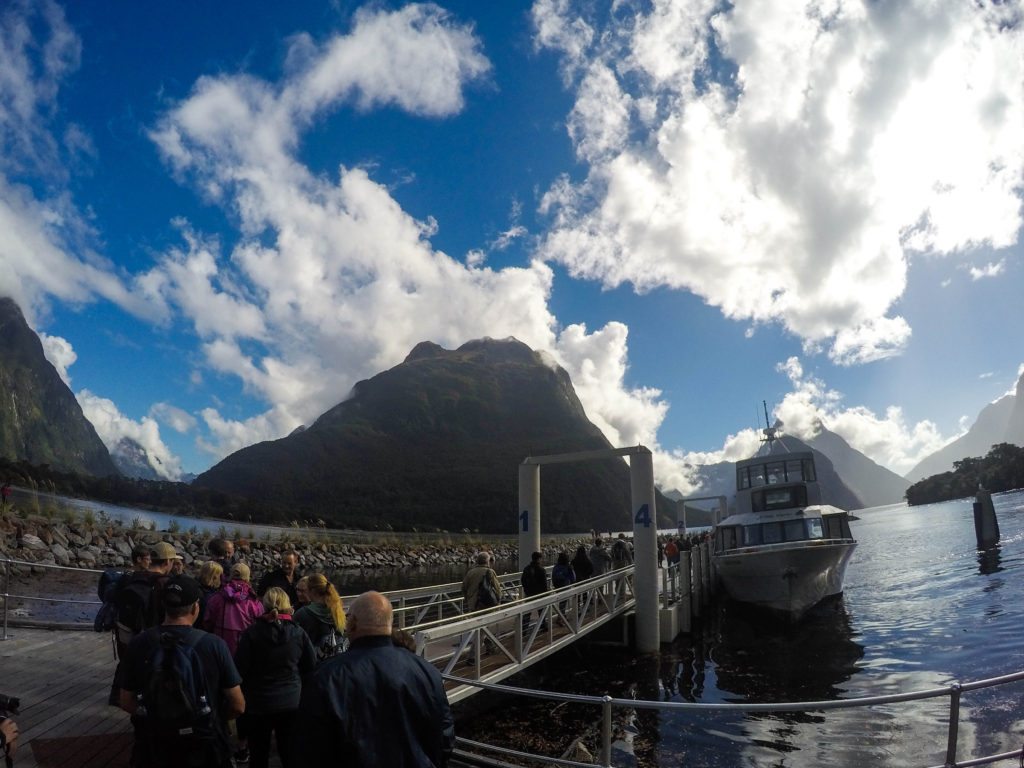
(40, 420)
(871, 483)
(848, 478)
(998, 422)
(435, 442)
(132, 460)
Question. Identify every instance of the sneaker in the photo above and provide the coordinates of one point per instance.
(241, 756)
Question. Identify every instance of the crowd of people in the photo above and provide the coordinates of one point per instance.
(211, 669)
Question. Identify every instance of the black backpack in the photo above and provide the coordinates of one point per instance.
(486, 597)
(106, 590)
(331, 644)
(173, 709)
(134, 598)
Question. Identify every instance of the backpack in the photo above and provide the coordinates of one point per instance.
(133, 600)
(486, 597)
(331, 644)
(620, 553)
(561, 576)
(106, 590)
(174, 707)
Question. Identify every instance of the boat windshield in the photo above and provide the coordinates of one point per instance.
(775, 472)
(787, 497)
(731, 537)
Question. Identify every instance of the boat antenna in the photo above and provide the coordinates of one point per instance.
(768, 431)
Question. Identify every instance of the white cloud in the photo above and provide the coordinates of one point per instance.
(112, 426)
(175, 418)
(331, 280)
(887, 439)
(780, 159)
(45, 242)
(992, 269)
(60, 353)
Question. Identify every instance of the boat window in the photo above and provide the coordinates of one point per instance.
(794, 530)
(814, 529)
(833, 527)
(777, 473)
(757, 475)
(752, 535)
(794, 471)
(772, 532)
(727, 538)
(742, 478)
(809, 474)
(779, 498)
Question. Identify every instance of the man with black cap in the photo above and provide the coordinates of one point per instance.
(181, 687)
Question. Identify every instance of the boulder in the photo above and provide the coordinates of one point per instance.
(31, 541)
(60, 554)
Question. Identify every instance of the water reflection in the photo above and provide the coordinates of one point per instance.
(990, 561)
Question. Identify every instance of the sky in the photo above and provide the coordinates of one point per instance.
(220, 216)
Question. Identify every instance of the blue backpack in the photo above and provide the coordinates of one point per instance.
(174, 706)
(106, 590)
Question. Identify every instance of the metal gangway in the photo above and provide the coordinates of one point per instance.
(496, 643)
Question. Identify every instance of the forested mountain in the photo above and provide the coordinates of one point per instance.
(436, 442)
(40, 420)
(1001, 469)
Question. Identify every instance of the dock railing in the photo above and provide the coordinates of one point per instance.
(7, 596)
(608, 706)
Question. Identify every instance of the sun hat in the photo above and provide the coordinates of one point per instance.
(164, 551)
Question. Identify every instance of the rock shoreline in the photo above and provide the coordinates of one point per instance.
(108, 544)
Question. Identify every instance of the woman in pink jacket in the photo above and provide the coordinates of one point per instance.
(231, 609)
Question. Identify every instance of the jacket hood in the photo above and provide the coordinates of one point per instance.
(319, 610)
(238, 591)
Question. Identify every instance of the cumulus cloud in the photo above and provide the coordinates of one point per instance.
(888, 439)
(45, 242)
(331, 281)
(172, 416)
(781, 160)
(112, 426)
(60, 353)
(992, 269)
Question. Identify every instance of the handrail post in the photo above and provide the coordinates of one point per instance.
(7, 592)
(606, 731)
(954, 723)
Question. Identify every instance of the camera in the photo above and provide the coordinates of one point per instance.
(9, 705)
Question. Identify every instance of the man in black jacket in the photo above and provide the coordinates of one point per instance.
(284, 577)
(535, 582)
(376, 705)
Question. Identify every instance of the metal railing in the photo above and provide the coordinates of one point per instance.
(608, 704)
(7, 595)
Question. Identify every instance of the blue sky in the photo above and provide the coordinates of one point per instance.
(221, 216)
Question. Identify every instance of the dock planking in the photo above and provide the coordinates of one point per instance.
(63, 679)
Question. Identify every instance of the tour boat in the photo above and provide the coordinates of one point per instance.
(780, 547)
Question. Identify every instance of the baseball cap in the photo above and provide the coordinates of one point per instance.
(164, 551)
(181, 591)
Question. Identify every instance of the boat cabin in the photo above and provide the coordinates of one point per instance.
(782, 481)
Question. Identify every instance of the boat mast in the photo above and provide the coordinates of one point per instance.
(768, 431)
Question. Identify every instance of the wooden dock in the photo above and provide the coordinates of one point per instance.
(63, 680)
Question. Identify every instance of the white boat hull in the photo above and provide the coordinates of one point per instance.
(790, 578)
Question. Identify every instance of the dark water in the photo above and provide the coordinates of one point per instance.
(922, 609)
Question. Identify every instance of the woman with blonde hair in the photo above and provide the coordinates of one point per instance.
(233, 607)
(273, 656)
(210, 576)
(324, 617)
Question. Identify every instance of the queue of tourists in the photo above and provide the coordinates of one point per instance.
(211, 668)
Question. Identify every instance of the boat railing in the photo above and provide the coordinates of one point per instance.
(608, 706)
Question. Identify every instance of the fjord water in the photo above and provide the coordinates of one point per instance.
(922, 609)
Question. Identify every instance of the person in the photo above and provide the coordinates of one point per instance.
(323, 618)
(223, 553)
(8, 737)
(622, 553)
(376, 706)
(534, 582)
(671, 552)
(211, 576)
(273, 657)
(661, 553)
(177, 565)
(283, 577)
(302, 592)
(141, 557)
(232, 608)
(599, 558)
(472, 581)
(153, 746)
(581, 564)
(563, 575)
(5, 492)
